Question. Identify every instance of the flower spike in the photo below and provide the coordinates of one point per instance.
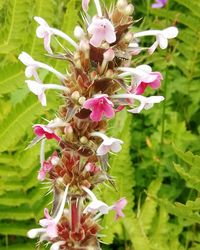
(98, 85)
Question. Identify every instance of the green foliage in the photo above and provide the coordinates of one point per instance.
(160, 181)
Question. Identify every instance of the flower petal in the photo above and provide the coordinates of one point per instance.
(170, 32)
(35, 87)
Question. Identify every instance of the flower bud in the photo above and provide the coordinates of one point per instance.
(55, 160)
(68, 129)
(78, 32)
(121, 4)
(109, 73)
(84, 45)
(75, 95)
(81, 100)
(109, 55)
(129, 10)
(83, 140)
(128, 37)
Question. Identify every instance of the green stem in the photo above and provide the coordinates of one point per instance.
(163, 109)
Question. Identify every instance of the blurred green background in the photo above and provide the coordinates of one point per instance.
(158, 170)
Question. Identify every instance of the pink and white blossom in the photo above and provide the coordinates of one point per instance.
(45, 31)
(44, 131)
(32, 66)
(142, 76)
(49, 224)
(162, 37)
(145, 102)
(108, 144)
(95, 205)
(92, 168)
(100, 106)
(118, 206)
(46, 166)
(159, 4)
(101, 30)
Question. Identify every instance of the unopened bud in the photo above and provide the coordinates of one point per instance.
(81, 100)
(129, 10)
(78, 32)
(83, 140)
(68, 129)
(76, 56)
(109, 73)
(75, 95)
(105, 45)
(128, 37)
(55, 160)
(109, 55)
(121, 4)
(59, 182)
(93, 74)
(84, 45)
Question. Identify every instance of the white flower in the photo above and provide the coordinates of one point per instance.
(95, 205)
(32, 66)
(39, 89)
(45, 31)
(108, 144)
(162, 37)
(57, 245)
(145, 102)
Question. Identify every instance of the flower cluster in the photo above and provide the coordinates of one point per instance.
(99, 83)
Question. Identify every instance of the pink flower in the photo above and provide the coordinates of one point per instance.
(154, 84)
(48, 165)
(42, 130)
(100, 105)
(159, 4)
(101, 29)
(142, 76)
(118, 206)
(50, 224)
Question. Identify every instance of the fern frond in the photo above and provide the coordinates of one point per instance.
(16, 25)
